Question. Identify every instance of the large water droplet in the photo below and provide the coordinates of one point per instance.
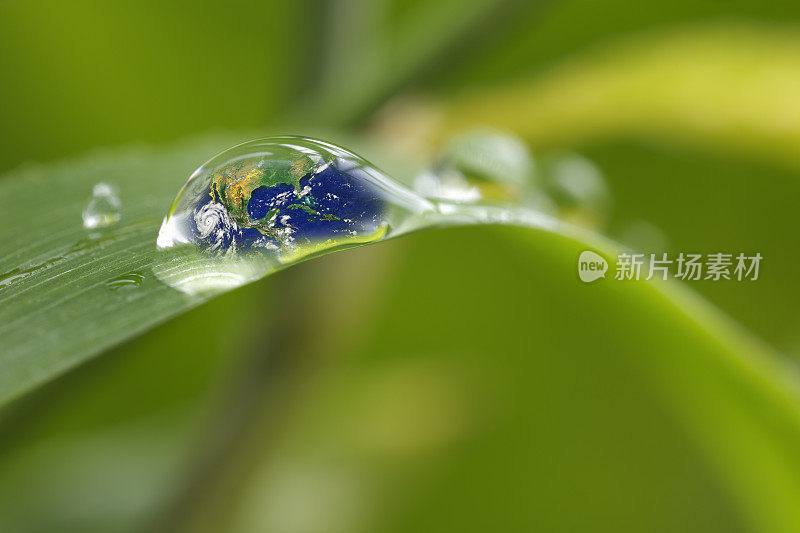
(103, 208)
(271, 202)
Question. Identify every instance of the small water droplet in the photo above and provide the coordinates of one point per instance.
(641, 236)
(479, 164)
(78, 249)
(17, 274)
(577, 188)
(446, 184)
(103, 208)
(132, 279)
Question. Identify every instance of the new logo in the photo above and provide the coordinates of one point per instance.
(591, 266)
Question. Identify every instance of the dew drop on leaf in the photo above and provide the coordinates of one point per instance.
(132, 279)
(103, 208)
(271, 202)
(577, 188)
(481, 164)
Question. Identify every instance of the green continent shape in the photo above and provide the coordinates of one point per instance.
(233, 185)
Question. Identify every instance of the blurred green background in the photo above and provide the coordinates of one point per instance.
(456, 380)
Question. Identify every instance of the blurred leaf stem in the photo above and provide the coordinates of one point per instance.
(368, 59)
(722, 86)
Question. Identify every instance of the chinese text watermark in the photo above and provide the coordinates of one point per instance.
(717, 266)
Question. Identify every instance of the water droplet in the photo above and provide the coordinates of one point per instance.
(18, 274)
(577, 188)
(641, 236)
(446, 184)
(271, 202)
(78, 249)
(104, 207)
(132, 279)
(480, 164)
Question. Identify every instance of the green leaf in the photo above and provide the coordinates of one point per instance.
(727, 392)
(58, 303)
(68, 292)
(475, 355)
